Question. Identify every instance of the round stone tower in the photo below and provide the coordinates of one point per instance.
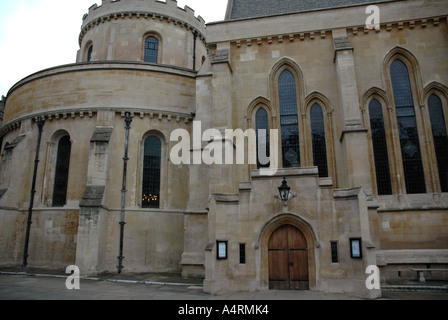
(119, 30)
(138, 60)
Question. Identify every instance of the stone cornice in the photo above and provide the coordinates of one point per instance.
(64, 114)
(351, 30)
(139, 15)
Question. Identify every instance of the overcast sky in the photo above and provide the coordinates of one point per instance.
(39, 34)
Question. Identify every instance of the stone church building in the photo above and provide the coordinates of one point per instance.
(87, 179)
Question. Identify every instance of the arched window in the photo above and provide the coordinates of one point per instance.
(262, 123)
(319, 140)
(439, 134)
(151, 172)
(289, 120)
(61, 173)
(407, 126)
(151, 49)
(379, 143)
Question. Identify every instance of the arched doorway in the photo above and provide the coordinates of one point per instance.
(288, 259)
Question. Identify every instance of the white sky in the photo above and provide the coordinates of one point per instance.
(39, 34)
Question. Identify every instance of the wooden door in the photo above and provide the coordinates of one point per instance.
(288, 259)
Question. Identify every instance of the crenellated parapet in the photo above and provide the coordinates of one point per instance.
(143, 9)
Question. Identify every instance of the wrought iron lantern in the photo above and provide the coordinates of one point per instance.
(284, 191)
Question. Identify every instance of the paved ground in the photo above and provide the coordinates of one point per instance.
(31, 287)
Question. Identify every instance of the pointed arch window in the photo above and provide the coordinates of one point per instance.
(61, 174)
(407, 126)
(151, 49)
(151, 172)
(319, 139)
(380, 152)
(439, 134)
(262, 123)
(289, 120)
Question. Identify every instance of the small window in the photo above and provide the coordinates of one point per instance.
(380, 152)
(61, 175)
(262, 123)
(151, 173)
(242, 253)
(89, 53)
(151, 49)
(334, 252)
(440, 137)
(319, 140)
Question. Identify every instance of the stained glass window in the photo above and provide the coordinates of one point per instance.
(379, 143)
(407, 126)
(319, 140)
(439, 134)
(61, 173)
(151, 172)
(289, 121)
(262, 123)
(151, 49)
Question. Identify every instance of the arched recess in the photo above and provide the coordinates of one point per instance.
(51, 160)
(263, 240)
(381, 96)
(254, 106)
(88, 52)
(159, 39)
(163, 187)
(423, 181)
(251, 118)
(414, 72)
(438, 162)
(318, 98)
(294, 68)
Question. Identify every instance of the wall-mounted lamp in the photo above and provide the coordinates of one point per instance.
(284, 191)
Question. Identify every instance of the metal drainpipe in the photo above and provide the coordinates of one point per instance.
(128, 121)
(40, 125)
(195, 36)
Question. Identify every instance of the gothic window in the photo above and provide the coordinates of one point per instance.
(407, 126)
(262, 123)
(61, 173)
(439, 134)
(151, 172)
(380, 153)
(289, 120)
(319, 140)
(151, 49)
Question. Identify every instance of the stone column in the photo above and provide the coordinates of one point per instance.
(93, 216)
(353, 136)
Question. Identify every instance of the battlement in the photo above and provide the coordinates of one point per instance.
(114, 9)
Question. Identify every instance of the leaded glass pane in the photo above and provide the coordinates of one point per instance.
(61, 173)
(319, 140)
(262, 123)
(407, 126)
(289, 120)
(151, 49)
(439, 133)
(380, 148)
(151, 173)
